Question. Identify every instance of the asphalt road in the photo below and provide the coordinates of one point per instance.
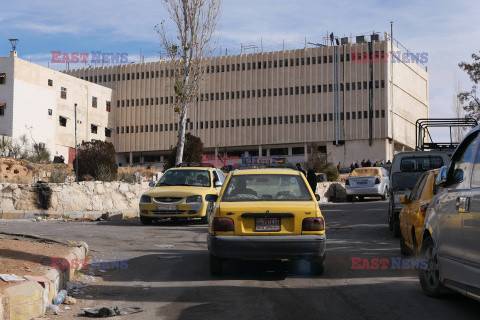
(168, 274)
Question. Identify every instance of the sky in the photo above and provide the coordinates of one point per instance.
(449, 31)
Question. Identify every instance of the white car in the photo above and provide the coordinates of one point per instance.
(367, 182)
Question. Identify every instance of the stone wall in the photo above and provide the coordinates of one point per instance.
(105, 197)
(67, 197)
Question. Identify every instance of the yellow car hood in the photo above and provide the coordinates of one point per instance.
(177, 191)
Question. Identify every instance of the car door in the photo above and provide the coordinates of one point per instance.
(471, 229)
(447, 229)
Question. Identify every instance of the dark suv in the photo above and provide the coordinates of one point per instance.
(451, 233)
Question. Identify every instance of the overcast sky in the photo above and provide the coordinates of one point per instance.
(448, 30)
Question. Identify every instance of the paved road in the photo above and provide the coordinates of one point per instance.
(168, 275)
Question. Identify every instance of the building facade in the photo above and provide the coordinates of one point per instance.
(39, 103)
(274, 104)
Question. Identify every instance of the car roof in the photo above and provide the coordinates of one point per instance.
(195, 168)
(266, 171)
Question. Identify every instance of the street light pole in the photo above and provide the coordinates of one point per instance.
(391, 89)
(76, 151)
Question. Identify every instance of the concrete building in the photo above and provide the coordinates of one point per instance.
(38, 102)
(275, 103)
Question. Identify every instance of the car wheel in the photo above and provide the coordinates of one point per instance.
(430, 278)
(216, 265)
(361, 198)
(404, 249)
(385, 195)
(146, 221)
(390, 218)
(317, 268)
(208, 213)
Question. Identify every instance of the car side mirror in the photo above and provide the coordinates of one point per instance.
(441, 179)
(317, 197)
(211, 198)
(404, 199)
(218, 184)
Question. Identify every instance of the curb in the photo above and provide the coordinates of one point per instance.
(29, 299)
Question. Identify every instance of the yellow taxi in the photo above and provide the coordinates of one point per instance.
(266, 214)
(182, 193)
(413, 213)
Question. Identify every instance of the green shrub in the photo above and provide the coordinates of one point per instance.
(97, 159)
(332, 174)
(192, 151)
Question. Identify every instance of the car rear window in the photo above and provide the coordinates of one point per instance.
(420, 164)
(266, 187)
(405, 180)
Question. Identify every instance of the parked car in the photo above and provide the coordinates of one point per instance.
(407, 167)
(182, 193)
(267, 214)
(367, 182)
(451, 233)
(413, 213)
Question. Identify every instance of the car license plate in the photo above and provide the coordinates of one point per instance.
(167, 208)
(267, 224)
(362, 182)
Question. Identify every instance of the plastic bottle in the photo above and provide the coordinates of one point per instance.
(60, 297)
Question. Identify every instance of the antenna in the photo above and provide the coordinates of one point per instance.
(14, 43)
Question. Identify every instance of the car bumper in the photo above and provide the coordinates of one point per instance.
(367, 191)
(310, 247)
(193, 210)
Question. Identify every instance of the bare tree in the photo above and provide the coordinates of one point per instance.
(457, 109)
(195, 22)
(470, 99)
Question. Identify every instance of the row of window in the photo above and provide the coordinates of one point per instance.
(253, 121)
(93, 128)
(255, 93)
(228, 67)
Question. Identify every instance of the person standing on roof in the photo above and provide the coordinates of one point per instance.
(332, 39)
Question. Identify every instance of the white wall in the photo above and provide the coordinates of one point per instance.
(6, 96)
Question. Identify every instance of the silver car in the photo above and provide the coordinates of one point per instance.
(367, 182)
(451, 232)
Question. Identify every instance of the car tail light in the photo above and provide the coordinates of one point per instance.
(424, 208)
(377, 180)
(222, 224)
(313, 224)
(347, 182)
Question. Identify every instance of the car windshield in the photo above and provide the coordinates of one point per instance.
(194, 178)
(405, 180)
(266, 187)
(420, 164)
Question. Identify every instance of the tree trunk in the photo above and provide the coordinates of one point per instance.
(181, 136)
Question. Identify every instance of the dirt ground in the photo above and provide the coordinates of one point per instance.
(27, 257)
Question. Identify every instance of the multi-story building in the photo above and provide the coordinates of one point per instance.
(39, 103)
(274, 103)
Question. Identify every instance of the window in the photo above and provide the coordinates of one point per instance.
(93, 129)
(2, 109)
(62, 121)
(383, 113)
(50, 82)
(108, 106)
(353, 85)
(94, 102)
(63, 93)
(50, 112)
(354, 115)
(462, 161)
(348, 115)
(377, 113)
(330, 117)
(359, 114)
(108, 133)
(365, 114)
(382, 83)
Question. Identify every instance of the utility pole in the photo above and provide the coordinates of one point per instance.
(76, 151)
(391, 89)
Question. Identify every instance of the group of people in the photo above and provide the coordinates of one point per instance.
(366, 164)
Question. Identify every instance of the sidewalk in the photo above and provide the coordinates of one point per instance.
(32, 256)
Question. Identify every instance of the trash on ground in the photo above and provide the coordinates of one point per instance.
(11, 278)
(109, 312)
(53, 309)
(60, 297)
(70, 300)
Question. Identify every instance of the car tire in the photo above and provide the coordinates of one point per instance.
(385, 195)
(390, 218)
(208, 213)
(146, 221)
(396, 228)
(361, 198)
(349, 198)
(430, 278)
(317, 267)
(216, 266)
(404, 249)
